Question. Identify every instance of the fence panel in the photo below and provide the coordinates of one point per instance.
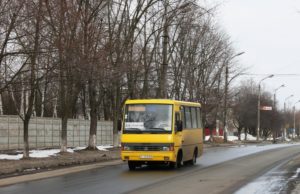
(45, 132)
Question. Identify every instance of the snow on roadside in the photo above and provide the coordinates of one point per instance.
(101, 148)
(234, 138)
(10, 157)
(249, 137)
(47, 153)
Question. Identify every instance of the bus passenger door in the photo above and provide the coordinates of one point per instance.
(186, 120)
(178, 134)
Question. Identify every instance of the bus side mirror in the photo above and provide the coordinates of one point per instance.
(179, 126)
(119, 125)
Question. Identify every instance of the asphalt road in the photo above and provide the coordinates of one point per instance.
(220, 170)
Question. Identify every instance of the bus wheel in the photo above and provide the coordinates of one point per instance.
(131, 165)
(178, 162)
(195, 155)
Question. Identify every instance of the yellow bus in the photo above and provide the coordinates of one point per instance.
(161, 131)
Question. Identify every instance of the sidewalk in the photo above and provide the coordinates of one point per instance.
(53, 173)
(9, 168)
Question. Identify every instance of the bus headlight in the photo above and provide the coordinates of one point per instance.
(125, 148)
(168, 148)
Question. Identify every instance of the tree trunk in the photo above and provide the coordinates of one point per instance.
(25, 138)
(43, 102)
(64, 126)
(93, 116)
(93, 129)
(162, 88)
(1, 104)
(106, 109)
(116, 115)
(55, 108)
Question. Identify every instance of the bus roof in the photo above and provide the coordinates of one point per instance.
(161, 101)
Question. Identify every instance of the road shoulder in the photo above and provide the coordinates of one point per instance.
(54, 173)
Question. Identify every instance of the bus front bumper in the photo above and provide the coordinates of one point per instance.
(163, 156)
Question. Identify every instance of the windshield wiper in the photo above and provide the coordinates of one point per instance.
(154, 130)
(157, 129)
(133, 130)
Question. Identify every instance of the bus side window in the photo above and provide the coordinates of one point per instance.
(194, 117)
(182, 117)
(178, 122)
(188, 117)
(199, 123)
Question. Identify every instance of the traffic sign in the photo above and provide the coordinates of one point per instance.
(268, 108)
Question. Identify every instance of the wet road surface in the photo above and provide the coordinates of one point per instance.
(117, 179)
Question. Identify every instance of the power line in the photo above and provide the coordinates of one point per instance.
(277, 75)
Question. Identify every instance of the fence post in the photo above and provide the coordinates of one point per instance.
(18, 133)
(85, 140)
(52, 132)
(8, 133)
(79, 132)
(101, 133)
(73, 134)
(44, 131)
(36, 135)
(59, 132)
(96, 133)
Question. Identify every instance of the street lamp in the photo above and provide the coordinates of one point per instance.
(282, 86)
(284, 106)
(226, 93)
(284, 109)
(295, 118)
(258, 105)
(274, 107)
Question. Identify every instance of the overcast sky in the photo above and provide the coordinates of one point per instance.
(268, 31)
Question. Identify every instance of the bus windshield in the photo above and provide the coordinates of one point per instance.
(148, 118)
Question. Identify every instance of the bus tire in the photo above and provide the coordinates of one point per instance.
(131, 165)
(195, 155)
(178, 163)
(193, 161)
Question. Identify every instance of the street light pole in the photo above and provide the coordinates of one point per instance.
(284, 105)
(274, 105)
(275, 134)
(258, 105)
(294, 129)
(284, 109)
(226, 94)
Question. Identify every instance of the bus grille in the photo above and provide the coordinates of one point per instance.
(147, 147)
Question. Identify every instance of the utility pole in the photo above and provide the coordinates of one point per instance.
(294, 108)
(285, 118)
(274, 109)
(258, 106)
(225, 104)
(225, 131)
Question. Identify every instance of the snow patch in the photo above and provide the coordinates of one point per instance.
(249, 137)
(100, 147)
(10, 157)
(266, 184)
(46, 153)
(234, 138)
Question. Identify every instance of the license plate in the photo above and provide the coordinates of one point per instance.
(146, 157)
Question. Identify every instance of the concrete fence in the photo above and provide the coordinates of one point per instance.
(45, 132)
